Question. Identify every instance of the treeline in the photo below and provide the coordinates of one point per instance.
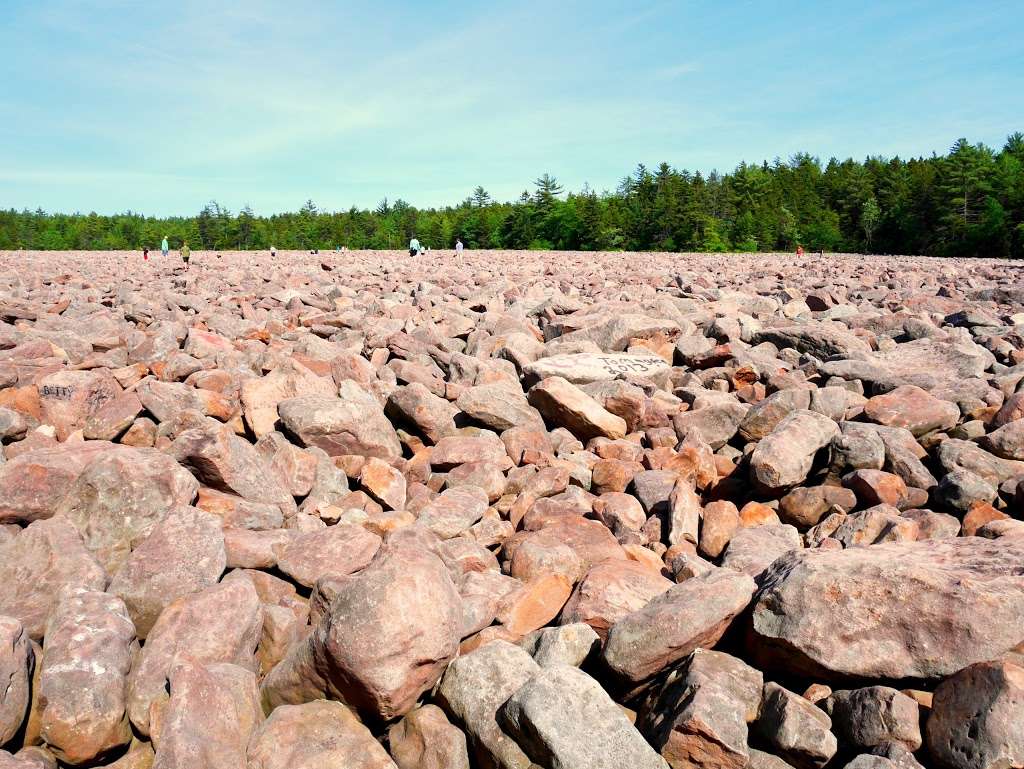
(969, 202)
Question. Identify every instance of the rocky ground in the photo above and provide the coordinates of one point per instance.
(559, 510)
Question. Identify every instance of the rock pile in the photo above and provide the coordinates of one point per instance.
(573, 511)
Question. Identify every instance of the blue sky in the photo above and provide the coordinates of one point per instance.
(160, 106)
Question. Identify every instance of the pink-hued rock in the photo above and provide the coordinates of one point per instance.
(260, 397)
(565, 405)
(353, 423)
(228, 462)
(576, 453)
(222, 623)
(386, 639)
(693, 614)
(16, 665)
(120, 496)
(212, 712)
(336, 551)
(37, 564)
(70, 398)
(912, 408)
(183, 554)
(611, 590)
(830, 614)
(425, 739)
(315, 734)
(34, 483)
(89, 647)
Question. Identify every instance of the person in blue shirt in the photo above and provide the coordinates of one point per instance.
(164, 248)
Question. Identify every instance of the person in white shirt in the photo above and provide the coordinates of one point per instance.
(458, 250)
(414, 247)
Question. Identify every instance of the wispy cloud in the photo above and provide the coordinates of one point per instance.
(678, 70)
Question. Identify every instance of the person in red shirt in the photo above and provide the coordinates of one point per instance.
(799, 250)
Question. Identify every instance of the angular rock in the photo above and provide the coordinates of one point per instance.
(565, 405)
(336, 551)
(353, 423)
(474, 687)
(219, 624)
(16, 666)
(37, 564)
(386, 639)
(563, 718)
(975, 718)
(695, 613)
(785, 457)
(424, 739)
(183, 554)
(212, 712)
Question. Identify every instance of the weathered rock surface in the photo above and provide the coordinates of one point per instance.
(975, 719)
(34, 566)
(386, 639)
(562, 718)
(221, 624)
(16, 664)
(89, 647)
(315, 735)
(692, 614)
(183, 554)
(849, 612)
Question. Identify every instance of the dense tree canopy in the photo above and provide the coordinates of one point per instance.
(969, 202)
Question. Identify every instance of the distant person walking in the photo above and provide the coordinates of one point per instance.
(458, 250)
(799, 250)
(164, 248)
(273, 252)
(186, 254)
(145, 254)
(414, 247)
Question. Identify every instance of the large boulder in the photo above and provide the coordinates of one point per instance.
(16, 666)
(222, 623)
(474, 687)
(35, 565)
(912, 408)
(611, 590)
(183, 554)
(212, 712)
(336, 551)
(353, 423)
(847, 613)
(70, 398)
(387, 637)
(89, 647)
(699, 716)
(695, 613)
(975, 721)
(784, 457)
(121, 495)
(315, 735)
(563, 404)
(33, 484)
(561, 717)
(261, 396)
(425, 739)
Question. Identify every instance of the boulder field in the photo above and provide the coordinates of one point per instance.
(515, 510)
